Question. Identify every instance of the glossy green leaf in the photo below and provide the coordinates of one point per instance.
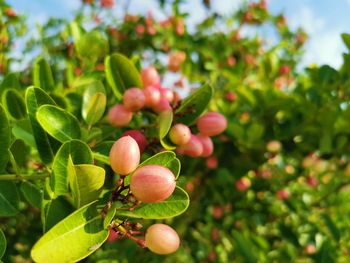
(194, 105)
(167, 159)
(42, 75)
(94, 102)
(175, 205)
(346, 39)
(9, 199)
(35, 97)
(53, 211)
(14, 104)
(80, 154)
(73, 238)
(5, 138)
(3, 243)
(20, 152)
(32, 194)
(86, 182)
(59, 123)
(165, 122)
(121, 74)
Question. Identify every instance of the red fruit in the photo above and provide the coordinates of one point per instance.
(180, 134)
(243, 184)
(312, 181)
(282, 194)
(152, 183)
(161, 106)
(207, 143)
(107, 3)
(217, 212)
(284, 69)
(166, 94)
(193, 148)
(211, 124)
(162, 239)
(212, 162)
(231, 61)
(150, 76)
(124, 155)
(139, 137)
(134, 99)
(10, 12)
(119, 116)
(310, 249)
(140, 29)
(230, 96)
(274, 146)
(152, 96)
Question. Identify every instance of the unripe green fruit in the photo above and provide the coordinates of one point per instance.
(124, 155)
(162, 239)
(211, 124)
(152, 183)
(134, 99)
(119, 116)
(180, 134)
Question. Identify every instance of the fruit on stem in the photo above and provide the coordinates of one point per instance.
(119, 116)
(124, 155)
(134, 99)
(211, 124)
(180, 134)
(152, 183)
(162, 239)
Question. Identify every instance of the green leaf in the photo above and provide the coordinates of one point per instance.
(245, 247)
(165, 122)
(34, 98)
(5, 138)
(86, 182)
(32, 194)
(121, 74)
(175, 205)
(14, 104)
(101, 151)
(194, 105)
(10, 82)
(20, 152)
(3, 243)
(59, 123)
(332, 227)
(22, 130)
(42, 75)
(72, 239)
(167, 159)
(346, 39)
(80, 154)
(9, 199)
(94, 102)
(53, 211)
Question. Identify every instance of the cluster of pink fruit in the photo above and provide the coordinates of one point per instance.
(148, 184)
(153, 96)
(198, 145)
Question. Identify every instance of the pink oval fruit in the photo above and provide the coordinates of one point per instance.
(139, 137)
(119, 116)
(207, 143)
(152, 183)
(152, 96)
(134, 99)
(150, 76)
(193, 148)
(124, 155)
(167, 94)
(162, 239)
(211, 124)
(161, 106)
(180, 134)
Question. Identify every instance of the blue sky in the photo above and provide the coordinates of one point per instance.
(324, 20)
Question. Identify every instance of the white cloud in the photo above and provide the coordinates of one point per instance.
(324, 45)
